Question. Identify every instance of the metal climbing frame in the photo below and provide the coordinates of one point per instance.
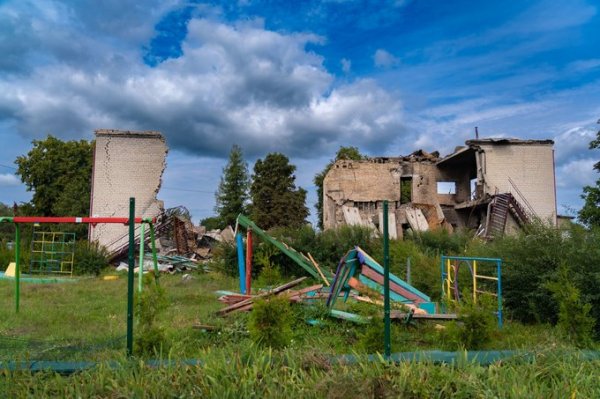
(449, 267)
(52, 252)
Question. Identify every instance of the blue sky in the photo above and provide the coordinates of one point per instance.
(301, 78)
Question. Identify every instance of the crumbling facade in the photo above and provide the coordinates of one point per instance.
(126, 164)
(491, 185)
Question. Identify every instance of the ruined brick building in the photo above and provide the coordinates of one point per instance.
(490, 185)
(126, 164)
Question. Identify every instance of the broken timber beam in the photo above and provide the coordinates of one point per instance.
(394, 314)
(274, 291)
(316, 265)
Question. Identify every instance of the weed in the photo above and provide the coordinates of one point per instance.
(271, 322)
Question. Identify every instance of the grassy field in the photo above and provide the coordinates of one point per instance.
(86, 320)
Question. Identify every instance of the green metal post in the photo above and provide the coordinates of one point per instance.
(17, 267)
(386, 283)
(499, 292)
(154, 256)
(130, 276)
(141, 263)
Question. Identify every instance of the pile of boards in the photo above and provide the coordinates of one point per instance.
(240, 302)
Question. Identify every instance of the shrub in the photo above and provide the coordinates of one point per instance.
(271, 322)
(441, 242)
(475, 327)
(149, 337)
(269, 276)
(90, 258)
(574, 320)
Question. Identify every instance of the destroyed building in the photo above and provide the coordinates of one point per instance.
(126, 164)
(491, 185)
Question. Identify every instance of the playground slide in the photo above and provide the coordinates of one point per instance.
(358, 264)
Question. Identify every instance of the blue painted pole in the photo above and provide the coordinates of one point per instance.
(241, 262)
(443, 302)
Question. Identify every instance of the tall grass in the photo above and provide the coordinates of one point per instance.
(263, 373)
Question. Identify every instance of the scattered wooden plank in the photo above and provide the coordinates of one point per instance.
(395, 314)
(249, 301)
(318, 269)
(416, 310)
(231, 299)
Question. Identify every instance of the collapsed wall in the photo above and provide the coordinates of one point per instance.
(126, 164)
(492, 185)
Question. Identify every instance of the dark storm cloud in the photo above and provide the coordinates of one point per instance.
(233, 83)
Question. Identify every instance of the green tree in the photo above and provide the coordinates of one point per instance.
(7, 230)
(276, 202)
(232, 194)
(590, 212)
(59, 173)
(343, 153)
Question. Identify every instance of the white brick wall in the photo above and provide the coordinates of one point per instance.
(530, 166)
(126, 164)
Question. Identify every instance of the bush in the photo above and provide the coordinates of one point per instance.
(574, 320)
(475, 327)
(269, 276)
(534, 257)
(90, 258)
(149, 337)
(271, 322)
(441, 242)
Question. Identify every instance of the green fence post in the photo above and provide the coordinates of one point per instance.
(386, 283)
(154, 256)
(131, 262)
(17, 267)
(141, 263)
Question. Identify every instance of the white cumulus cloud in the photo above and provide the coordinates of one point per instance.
(7, 179)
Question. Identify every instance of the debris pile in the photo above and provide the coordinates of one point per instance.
(240, 302)
(180, 245)
(195, 241)
(358, 276)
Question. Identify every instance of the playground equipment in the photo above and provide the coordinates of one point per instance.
(450, 267)
(52, 252)
(357, 270)
(245, 268)
(131, 221)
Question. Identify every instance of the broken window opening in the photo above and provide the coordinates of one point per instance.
(473, 185)
(368, 206)
(406, 190)
(446, 187)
